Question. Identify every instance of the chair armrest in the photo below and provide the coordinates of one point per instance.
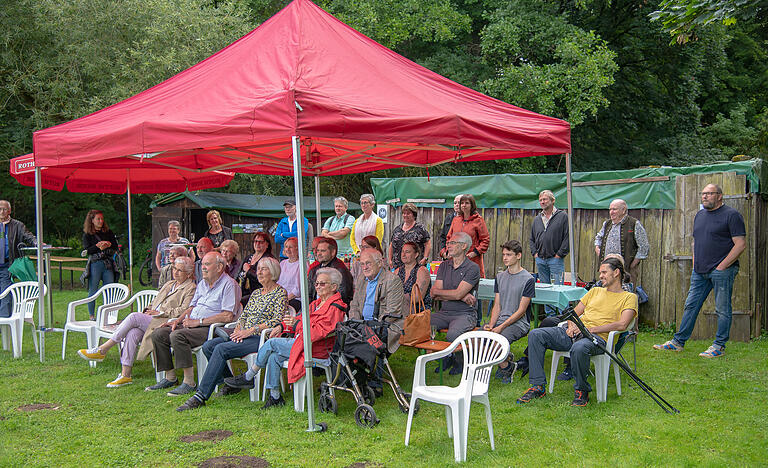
(213, 327)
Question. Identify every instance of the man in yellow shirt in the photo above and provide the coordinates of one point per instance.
(602, 310)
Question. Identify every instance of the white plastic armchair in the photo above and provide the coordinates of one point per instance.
(481, 350)
(111, 294)
(601, 362)
(23, 295)
(107, 316)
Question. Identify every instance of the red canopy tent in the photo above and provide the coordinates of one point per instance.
(303, 94)
(116, 177)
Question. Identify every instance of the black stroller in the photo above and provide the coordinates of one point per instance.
(361, 347)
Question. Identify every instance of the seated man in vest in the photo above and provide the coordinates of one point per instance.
(457, 280)
(216, 300)
(622, 235)
(325, 256)
(602, 310)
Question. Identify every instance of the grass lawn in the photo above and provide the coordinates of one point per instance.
(722, 405)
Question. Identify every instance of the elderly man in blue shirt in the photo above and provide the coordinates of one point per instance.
(378, 293)
(216, 300)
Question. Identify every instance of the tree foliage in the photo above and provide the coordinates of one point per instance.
(631, 98)
(682, 18)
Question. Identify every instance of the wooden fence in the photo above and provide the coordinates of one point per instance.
(665, 274)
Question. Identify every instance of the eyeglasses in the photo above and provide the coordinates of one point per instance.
(452, 243)
(365, 264)
(709, 194)
(321, 283)
(259, 241)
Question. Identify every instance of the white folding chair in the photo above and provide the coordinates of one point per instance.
(23, 296)
(299, 387)
(481, 350)
(111, 294)
(107, 319)
(601, 362)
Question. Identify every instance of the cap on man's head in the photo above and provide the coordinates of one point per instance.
(289, 202)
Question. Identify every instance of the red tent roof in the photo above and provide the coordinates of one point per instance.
(357, 106)
(113, 176)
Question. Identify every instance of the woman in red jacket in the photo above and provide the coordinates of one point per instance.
(470, 221)
(324, 314)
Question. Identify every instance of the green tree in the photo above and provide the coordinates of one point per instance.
(682, 18)
(62, 59)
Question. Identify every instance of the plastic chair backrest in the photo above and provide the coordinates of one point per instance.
(481, 350)
(21, 293)
(144, 299)
(623, 336)
(111, 294)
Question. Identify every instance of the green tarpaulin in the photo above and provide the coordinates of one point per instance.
(258, 206)
(522, 190)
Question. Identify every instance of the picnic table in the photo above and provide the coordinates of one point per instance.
(558, 295)
(70, 268)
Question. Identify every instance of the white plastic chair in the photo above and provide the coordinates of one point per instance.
(23, 295)
(113, 293)
(299, 387)
(601, 362)
(481, 350)
(107, 317)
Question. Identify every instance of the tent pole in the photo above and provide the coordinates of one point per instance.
(299, 194)
(317, 206)
(569, 187)
(130, 237)
(40, 271)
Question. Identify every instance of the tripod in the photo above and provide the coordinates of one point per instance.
(571, 315)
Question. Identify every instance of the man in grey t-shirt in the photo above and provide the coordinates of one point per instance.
(514, 288)
(456, 283)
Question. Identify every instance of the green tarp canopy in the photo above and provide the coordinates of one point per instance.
(522, 190)
(257, 206)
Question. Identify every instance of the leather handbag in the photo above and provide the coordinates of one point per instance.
(417, 324)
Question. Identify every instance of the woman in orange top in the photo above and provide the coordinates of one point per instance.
(470, 221)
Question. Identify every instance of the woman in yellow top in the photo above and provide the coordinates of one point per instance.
(368, 224)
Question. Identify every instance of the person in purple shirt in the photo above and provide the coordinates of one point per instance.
(719, 237)
(289, 273)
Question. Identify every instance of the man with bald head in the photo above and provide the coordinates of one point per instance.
(12, 233)
(623, 235)
(216, 300)
(719, 237)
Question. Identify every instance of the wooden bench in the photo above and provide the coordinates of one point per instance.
(71, 271)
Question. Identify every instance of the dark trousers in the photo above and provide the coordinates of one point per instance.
(542, 339)
(455, 323)
(219, 351)
(182, 340)
(5, 283)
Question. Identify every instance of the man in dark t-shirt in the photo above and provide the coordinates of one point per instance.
(457, 280)
(719, 237)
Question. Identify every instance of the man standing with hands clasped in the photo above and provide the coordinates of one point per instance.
(719, 237)
(549, 242)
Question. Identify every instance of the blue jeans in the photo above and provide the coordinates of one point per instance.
(5, 282)
(701, 285)
(272, 356)
(548, 268)
(219, 351)
(99, 272)
(542, 339)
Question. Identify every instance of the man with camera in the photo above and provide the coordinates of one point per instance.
(603, 310)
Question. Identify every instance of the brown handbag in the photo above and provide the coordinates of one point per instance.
(417, 324)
